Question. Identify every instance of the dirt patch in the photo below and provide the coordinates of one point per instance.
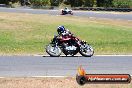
(52, 83)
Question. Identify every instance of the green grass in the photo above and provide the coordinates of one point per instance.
(28, 33)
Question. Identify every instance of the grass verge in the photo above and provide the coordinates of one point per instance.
(22, 33)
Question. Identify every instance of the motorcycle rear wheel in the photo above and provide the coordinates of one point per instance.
(53, 51)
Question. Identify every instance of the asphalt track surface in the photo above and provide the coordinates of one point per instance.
(38, 66)
(76, 13)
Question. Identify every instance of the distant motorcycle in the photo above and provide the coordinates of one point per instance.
(69, 45)
(66, 11)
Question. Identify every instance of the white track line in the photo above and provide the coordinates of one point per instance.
(81, 55)
(112, 55)
(61, 55)
(50, 76)
(2, 77)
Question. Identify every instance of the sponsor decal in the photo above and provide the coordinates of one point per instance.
(83, 78)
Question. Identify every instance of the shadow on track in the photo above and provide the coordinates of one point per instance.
(63, 56)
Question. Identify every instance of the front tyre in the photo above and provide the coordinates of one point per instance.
(86, 50)
(53, 51)
(71, 13)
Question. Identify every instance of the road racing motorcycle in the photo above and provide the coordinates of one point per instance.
(69, 45)
(64, 12)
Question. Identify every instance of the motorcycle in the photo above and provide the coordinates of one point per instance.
(64, 12)
(69, 45)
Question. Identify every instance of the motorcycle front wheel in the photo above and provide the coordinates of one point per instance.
(86, 50)
(53, 51)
